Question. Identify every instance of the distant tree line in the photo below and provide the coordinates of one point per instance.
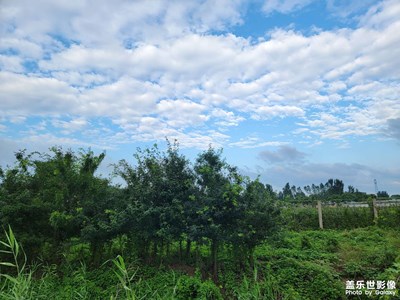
(332, 190)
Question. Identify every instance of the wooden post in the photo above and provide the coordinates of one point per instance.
(374, 206)
(319, 206)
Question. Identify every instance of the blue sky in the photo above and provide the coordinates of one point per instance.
(295, 91)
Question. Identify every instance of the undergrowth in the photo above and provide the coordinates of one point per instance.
(294, 265)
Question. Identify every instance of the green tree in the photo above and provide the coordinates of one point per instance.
(158, 192)
(58, 193)
(220, 188)
(258, 219)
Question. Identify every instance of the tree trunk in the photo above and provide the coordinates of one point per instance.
(180, 250)
(161, 251)
(251, 258)
(155, 250)
(168, 249)
(197, 256)
(188, 247)
(96, 253)
(214, 256)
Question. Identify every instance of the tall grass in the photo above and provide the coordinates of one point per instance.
(124, 278)
(19, 285)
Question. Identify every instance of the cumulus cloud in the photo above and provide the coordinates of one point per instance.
(255, 142)
(73, 125)
(160, 65)
(36, 95)
(285, 6)
(345, 9)
(181, 113)
(382, 14)
(226, 118)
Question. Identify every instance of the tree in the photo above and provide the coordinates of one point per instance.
(220, 188)
(287, 192)
(158, 193)
(143, 197)
(60, 196)
(334, 187)
(382, 194)
(19, 202)
(258, 218)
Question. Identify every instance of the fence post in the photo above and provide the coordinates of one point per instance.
(319, 206)
(374, 206)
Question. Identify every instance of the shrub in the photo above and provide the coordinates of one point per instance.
(193, 288)
(311, 280)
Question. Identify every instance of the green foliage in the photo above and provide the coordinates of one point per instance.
(307, 278)
(296, 265)
(347, 217)
(172, 217)
(306, 218)
(59, 194)
(360, 255)
(76, 252)
(124, 278)
(189, 287)
(259, 285)
(389, 217)
(300, 218)
(18, 285)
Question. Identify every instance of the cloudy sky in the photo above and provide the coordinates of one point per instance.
(295, 91)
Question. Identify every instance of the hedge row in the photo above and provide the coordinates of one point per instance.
(306, 218)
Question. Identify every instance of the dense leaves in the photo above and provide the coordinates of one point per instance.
(165, 202)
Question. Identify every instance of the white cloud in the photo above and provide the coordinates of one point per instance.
(118, 21)
(17, 119)
(160, 66)
(255, 142)
(36, 95)
(268, 112)
(23, 47)
(125, 98)
(284, 6)
(76, 124)
(11, 63)
(344, 9)
(382, 14)
(226, 118)
(182, 113)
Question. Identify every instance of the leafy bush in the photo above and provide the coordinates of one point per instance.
(367, 252)
(306, 218)
(76, 252)
(389, 217)
(300, 218)
(193, 288)
(312, 280)
(347, 217)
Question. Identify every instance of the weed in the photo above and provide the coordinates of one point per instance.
(18, 286)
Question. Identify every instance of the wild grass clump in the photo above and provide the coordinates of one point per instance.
(17, 282)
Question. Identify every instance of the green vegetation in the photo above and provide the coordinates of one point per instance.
(180, 231)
